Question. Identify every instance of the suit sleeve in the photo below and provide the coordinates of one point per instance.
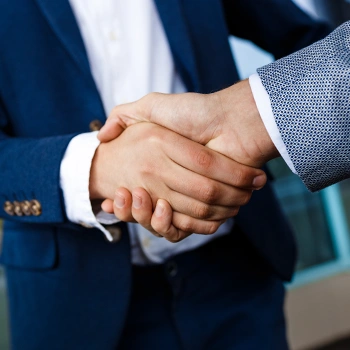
(310, 99)
(277, 26)
(30, 170)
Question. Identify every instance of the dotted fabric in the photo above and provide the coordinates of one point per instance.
(310, 97)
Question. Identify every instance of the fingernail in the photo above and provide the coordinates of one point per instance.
(136, 202)
(119, 200)
(259, 181)
(159, 210)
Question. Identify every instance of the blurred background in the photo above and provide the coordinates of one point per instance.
(318, 302)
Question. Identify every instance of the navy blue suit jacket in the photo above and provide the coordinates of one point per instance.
(47, 96)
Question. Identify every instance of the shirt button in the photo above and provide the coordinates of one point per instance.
(146, 242)
(8, 208)
(95, 125)
(171, 268)
(113, 36)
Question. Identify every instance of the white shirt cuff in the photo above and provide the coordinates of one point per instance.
(74, 180)
(263, 104)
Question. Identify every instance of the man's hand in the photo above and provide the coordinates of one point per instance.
(226, 121)
(138, 208)
(203, 187)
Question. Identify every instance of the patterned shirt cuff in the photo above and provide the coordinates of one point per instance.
(263, 104)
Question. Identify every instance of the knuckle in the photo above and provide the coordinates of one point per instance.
(209, 192)
(186, 225)
(235, 211)
(174, 238)
(122, 215)
(149, 99)
(158, 228)
(239, 177)
(246, 198)
(155, 233)
(213, 227)
(147, 169)
(143, 221)
(204, 159)
(202, 211)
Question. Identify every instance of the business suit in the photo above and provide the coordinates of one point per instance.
(309, 95)
(76, 281)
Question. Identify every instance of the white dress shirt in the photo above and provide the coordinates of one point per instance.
(129, 57)
(263, 104)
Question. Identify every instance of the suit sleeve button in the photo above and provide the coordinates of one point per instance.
(8, 208)
(26, 208)
(17, 208)
(35, 207)
(95, 125)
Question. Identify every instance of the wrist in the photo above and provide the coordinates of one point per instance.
(97, 183)
(240, 113)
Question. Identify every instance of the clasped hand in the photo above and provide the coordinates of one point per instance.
(170, 182)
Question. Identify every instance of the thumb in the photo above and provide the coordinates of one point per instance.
(128, 114)
(107, 206)
(119, 119)
(111, 130)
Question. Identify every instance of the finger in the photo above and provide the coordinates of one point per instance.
(162, 223)
(202, 198)
(121, 117)
(188, 224)
(122, 205)
(176, 226)
(213, 165)
(107, 206)
(111, 129)
(202, 189)
(199, 210)
(142, 207)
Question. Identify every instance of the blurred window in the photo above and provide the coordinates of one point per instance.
(320, 220)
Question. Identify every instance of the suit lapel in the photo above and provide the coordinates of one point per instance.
(60, 17)
(172, 16)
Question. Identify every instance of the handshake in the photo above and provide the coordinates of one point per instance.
(181, 163)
